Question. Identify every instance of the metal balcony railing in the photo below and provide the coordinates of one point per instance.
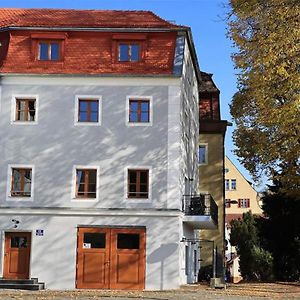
(200, 205)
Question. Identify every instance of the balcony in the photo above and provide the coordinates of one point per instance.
(200, 211)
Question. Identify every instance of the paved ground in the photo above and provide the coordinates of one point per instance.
(244, 291)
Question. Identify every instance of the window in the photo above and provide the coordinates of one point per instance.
(227, 203)
(21, 182)
(128, 241)
(88, 110)
(202, 155)
(49, 50)
(86, 183)
(129, 52)
(94, 240)
(138, 184)
(233, 184)
(25, 110)
(227, 184)
(139, 111)
(244, 203)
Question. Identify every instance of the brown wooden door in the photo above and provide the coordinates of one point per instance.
(93, 258)
(111, 258)
(127, 259)
(17, 255)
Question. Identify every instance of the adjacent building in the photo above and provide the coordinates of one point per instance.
(240, 197)
(211, 169)
(99, 128)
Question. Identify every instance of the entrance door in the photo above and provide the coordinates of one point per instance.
(17, 255)
(111, 258)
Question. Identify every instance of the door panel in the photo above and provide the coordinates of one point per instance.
(17, 255)
(93, 258)
(115, 261)
(127, 258)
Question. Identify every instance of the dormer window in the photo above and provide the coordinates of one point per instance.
(129, 52)
(49, 50)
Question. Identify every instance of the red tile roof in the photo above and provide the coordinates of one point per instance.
(18, 17)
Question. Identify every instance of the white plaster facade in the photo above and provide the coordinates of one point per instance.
(55, 146)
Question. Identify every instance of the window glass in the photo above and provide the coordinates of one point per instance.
(18, 242)
(123, 52)
(86, 183)
(233, 184)
(138, 183)
(54, 51)
(88, 111)
(43, 54)
(21, 182)
(93, 240)
(202, 154)
(139, 110)
(25, 110)
(226, 184)
(134, 55)
(128, 241)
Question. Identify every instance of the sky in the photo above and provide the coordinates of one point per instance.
(207, 21)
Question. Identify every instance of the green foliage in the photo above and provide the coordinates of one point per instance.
(255, 262)
(266, 107)
(280, 231)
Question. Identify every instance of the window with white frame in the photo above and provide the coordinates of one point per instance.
(139, 111)
(87, 110)
(233, 184)
(20, 182)
(227, 184)
(86, 182)
(24, 109)
(202, 154)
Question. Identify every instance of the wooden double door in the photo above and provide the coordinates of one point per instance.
(16, 255)
(111, 258)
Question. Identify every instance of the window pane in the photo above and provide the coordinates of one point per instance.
(94, 106)
(133, 117)
(202, 154)
(43, 54)
(83, 105)
(18, 242)
(128, 241)
(233, 184)
(54, 51)
(135, 52)
(133, 105)
(80, 177)
(123, 52)
(145, 106)
(144, 117)
(132, 176)
(93, 240)
(94, 117)
(21, 104)
(82, 117)
(226, 184)
(144, 177)
(31, 110)
(16, 180)
(92, 176)
(21, 116)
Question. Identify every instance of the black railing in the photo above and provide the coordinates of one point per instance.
(200, 205)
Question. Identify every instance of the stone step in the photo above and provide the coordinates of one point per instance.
(22, 284)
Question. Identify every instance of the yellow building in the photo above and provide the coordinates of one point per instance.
(211, 175)
(240, 197)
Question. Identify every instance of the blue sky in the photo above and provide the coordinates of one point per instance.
(205, 17)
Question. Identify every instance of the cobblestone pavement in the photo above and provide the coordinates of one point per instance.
(244, 291)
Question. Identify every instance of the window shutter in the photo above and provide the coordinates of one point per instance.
(239, 204)
(248, 202)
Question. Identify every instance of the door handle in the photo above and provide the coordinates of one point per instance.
(107, 263)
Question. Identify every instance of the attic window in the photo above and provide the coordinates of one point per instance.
(49, 50)
(129, 52)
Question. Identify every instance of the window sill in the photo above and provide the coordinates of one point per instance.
(84, 200)
(24, 123)
(133, 124)
(202, 164)
(19, 199)
(137, 200)
(87, 124)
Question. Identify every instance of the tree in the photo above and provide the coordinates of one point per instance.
(255, 262)
(266, 108)
(280, 231)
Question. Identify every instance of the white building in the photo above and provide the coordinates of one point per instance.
(99, 140)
